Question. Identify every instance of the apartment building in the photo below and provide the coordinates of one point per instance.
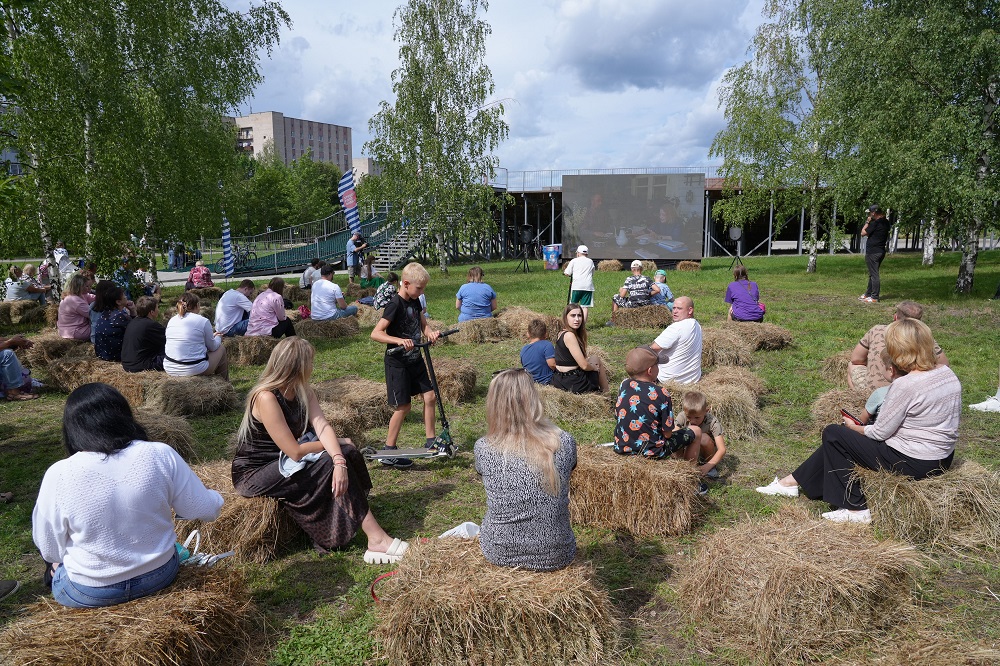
(294, 137)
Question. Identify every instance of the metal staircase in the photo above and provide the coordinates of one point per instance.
(394, 251)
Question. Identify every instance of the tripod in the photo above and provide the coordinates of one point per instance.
(523, 263)
(736, 234)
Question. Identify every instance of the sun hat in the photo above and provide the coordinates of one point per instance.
(582, 249)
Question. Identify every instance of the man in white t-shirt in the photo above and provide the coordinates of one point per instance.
(310, 274)
(232, 314)
(327, 300)
(581, 290)
(679, 345)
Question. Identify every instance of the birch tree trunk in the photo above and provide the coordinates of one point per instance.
(812, 242)
(930, 242)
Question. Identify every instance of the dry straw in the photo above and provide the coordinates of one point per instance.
(835, 368)
(649, 266)
(327, 329)
(735, 406)
(355, 290)
(249, 349)
(517, 318)
(633, 494)
(5, 313)
(293, 316)
(48, 348)
(27, 312)
(346, 422)
(477, 331)
(295, 293)
(448, 605)
(650, 316)
(52, 314)
(192, 396)
(957, 510)
(762, 336)
(206, 310)
(724, 347)
(368, 316)
(793, 589)
(609, 265)
(69, 373)
(456, 380)
(689, 266)
(256, 528)
(205, 617)
(826, 409)
(207, 293)
(569, 407)
(172, 430)
(364, 397)
(732, 375)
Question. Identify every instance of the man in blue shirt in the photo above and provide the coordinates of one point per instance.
(355, 255)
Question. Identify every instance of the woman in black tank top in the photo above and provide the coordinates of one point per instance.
(575, 372)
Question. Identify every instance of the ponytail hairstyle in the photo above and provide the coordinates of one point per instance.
(186, 304)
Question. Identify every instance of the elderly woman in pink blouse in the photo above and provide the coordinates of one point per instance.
(74, 309)
(267, 314)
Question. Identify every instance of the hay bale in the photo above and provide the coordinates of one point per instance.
(172, 430)
(650, 316)
(735, 406)
(206, 310)
(478, 331)
(69, 373)
(689, 265)
(456, 380)
(724, 347)
(52, 314)
(356, 291)
(649, 266)
(27, 312)
(609, 266)
(206, 617)
(209, 293)
(448, 605)
(572, 408)
(327, 329)
(826, 409)
(294, 316)
(257, 529)
(48, 348)
(249, 350)
(633, 494)
(294, 292)
(346, 421)
(616, 371)
(793, 589)
(516, 319)
(734, 375)
(835, 368)
(959, 509)
(5, 313)
(762, 336)
(368, 316)
(364, 397)
(191, 396)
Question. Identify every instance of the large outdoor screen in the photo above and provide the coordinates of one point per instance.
(634, 216)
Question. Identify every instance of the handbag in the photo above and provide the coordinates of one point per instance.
(763, 308)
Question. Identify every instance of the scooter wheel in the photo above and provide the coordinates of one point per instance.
(451, 450)
(368, 452)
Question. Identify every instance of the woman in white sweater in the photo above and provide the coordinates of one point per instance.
(193, 348)
(104, 515)
(914, 435)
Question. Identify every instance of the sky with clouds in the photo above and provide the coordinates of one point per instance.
(591, 83)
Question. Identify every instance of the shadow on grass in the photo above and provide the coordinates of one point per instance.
(630, 568)
(406, 511)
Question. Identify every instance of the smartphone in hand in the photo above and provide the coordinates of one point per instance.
(847, 415)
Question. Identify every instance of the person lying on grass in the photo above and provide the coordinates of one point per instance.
(525, 462)
(286, 449)
(103, 521)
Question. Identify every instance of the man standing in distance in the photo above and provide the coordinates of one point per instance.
(877, 230)
(581, 269)
(679, 345)
(355, 255)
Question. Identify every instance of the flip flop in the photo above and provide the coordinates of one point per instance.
(392, 554)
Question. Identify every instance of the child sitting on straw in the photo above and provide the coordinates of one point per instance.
(712, 444)
(538, 357)
(645, 414)
(875, 400)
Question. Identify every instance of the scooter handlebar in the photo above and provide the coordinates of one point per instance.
(418, 345)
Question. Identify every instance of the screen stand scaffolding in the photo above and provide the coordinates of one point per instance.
(522, 265)
(527, 238)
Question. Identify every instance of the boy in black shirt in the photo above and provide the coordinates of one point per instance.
(406, 375)
(143, 346)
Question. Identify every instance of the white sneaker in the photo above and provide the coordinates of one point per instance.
(845, 516)
(991, 404)
(775, 488)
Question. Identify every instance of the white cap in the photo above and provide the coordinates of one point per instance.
(582, 249)
(636, 263)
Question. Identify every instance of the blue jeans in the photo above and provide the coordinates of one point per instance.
(239, 328)
(75, 595)
(346, 312)
(11, 372)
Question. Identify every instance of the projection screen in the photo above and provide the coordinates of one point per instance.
(634, 216)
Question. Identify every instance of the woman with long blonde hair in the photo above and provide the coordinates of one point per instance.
(286, 449)
(525, 462)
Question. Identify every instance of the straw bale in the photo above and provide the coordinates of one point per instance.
(192, 396)
(47, 348)
(793, 589)
(478, 331)
(689, 265)
(633, 494)
(347, 421)
(26, 312)
(249, 349)
(294, 292)
(650, 316)
(517, 318)
(609, 265)
(5, 313)
(206, 617)
(734, 375)
(762, 336)
(735, 406)
(456, 380)
(826, 409)
(257, 529)
(327, 329)
(959, 509)
(835, 368)
(212, 293)
(69, 373)
(366, 398)
(438, 325)
(206, 310)
(172, 430)
(616, 371)
(367, 315)
(354, 290)
(572, 408)
(52, 314)
(448, 605)
(649, 266)
(85, 350)
(294, 315)
(724, 347)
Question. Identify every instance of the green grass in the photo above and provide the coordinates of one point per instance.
(318, 606)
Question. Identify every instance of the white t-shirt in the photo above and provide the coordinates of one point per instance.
(61, 255)
(582, 270)
(682, 343)
(230, 309)
(323, 302)
(189, 339)
(309, 277)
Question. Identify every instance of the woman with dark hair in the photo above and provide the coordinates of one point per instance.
(192, 346)
(475, 299)
(575, 372)
(267, 314)
(743, 297)
(113, 317)
(104, 515)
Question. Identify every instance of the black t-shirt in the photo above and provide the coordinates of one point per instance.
(404, 322)
(878, 235)
(144, 339)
